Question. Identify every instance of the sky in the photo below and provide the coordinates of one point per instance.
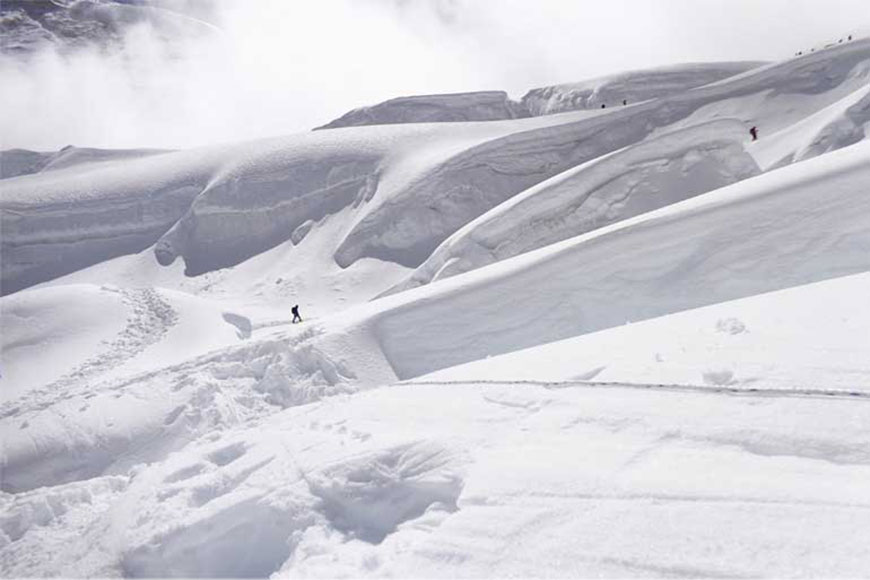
(272, 67)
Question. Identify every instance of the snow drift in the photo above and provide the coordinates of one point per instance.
(237, 200)
(411, 185)
(655, 173)
(407, 230)
(809, 338)
(800, 224)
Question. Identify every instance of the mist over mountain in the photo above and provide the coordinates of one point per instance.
(181, 73)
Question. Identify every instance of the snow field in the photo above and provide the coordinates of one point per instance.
(404, 481)
(681, 392)
(788, 340)
(37, 324)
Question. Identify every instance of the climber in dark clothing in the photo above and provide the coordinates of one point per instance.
(295, 311)
(754, 133)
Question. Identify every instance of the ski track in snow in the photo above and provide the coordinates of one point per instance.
(803, 392)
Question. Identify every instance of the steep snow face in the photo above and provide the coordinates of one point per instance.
(264, 287)
(654, 173)
(807, 338)
(479, 106)
(795, 125)
(407, 226)
(268, 194)
(248, 208)
(60, 221)
(410, 186)
(800, 224)
(849, 127)
(633, 87)
(235, 200)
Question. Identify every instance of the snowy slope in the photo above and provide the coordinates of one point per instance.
(792, 339)
(643, 351)
(64, 220)
(633, 87)
(535, 480)
(90, 333)
(800, 224)
(215, 206)
(15, 162)
(60, 221)
(401, 228)
(36, 326)
(412, 185)
(654, 173)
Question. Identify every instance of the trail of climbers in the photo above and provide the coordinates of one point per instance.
(679, 388)
(150, 318)
(283, 322)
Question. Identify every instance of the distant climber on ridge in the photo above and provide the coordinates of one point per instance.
(754, 133)
(295, 311)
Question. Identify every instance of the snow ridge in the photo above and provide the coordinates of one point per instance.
(655, 173)
(479, 106)
(632, 87)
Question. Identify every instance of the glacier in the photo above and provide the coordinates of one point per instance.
(540, 338)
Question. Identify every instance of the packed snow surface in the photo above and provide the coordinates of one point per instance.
(628, 342)
(792, 340)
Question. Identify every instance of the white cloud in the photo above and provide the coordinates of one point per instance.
(285, 65)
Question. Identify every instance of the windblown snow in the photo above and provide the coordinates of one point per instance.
(539, 338)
